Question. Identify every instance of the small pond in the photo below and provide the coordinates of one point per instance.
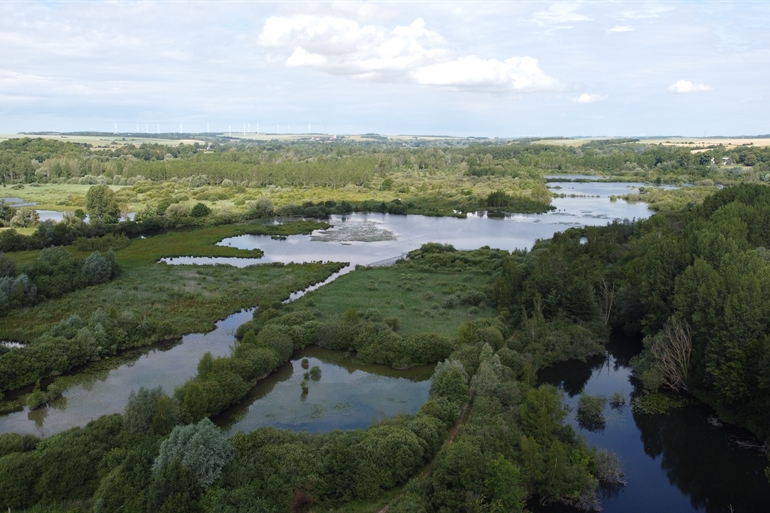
(675, 462)
(348, 395)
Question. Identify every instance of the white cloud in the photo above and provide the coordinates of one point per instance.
(411, 53)
(517, 73)
(685, 86)
(647, 10)
(590, 98)
(621, 28)
(560, 13)
(343, 47)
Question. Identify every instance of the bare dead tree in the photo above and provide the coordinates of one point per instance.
(671, 350)
(606, 299)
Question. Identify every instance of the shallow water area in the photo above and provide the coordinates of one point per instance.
(348, 395)
(365, 239)
(673, 462)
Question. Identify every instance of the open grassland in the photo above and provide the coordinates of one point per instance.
(106, 141)
(418, 299)
(196, 242)
(695, 142)
(438, 192)
(60, 197)
(184, 299)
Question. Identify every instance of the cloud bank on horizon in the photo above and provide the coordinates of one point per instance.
(461, 68)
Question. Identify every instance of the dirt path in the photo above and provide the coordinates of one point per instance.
(465, 416)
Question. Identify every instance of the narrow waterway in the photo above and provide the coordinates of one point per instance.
(674, 462)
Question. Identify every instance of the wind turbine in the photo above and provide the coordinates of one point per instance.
(180, 128)
(116, 129)
(230, 129)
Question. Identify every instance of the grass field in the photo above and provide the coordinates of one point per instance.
(61, 197)
(103, 141)
(190, 298)
(694, 142)
(196, 242)
(415, 297)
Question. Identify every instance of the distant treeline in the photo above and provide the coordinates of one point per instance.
(29, 160)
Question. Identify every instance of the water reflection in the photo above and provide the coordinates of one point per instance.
(675, 462)
(103, 388)
(348, 395)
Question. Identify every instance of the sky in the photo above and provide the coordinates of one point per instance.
(486, 69)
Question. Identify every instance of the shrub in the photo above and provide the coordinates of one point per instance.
(150, 412)
(200, 210)
(590, 413)
(97, 269)
(449, 381)
(202, 448)
(262, 207)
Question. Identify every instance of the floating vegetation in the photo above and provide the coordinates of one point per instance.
(366, 231)
(656, 404)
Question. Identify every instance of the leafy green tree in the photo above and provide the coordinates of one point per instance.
(97, 269)
(200, 210)
(202, 448)
(449, 381)
(102, 204)
(150, 412)
(25, 218)
(262, 207)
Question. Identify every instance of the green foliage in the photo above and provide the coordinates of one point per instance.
(200, 210)
(150, 412)
(201, 448)
(656, 404)
(14, 442)
(102, 204)
(590, 412)
(104, 243)
(449, 381)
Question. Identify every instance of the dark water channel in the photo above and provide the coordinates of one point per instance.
(676, 462)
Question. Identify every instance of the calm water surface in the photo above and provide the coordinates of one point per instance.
(676, 462)
(349, 395)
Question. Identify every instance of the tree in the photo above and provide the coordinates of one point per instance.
(671, 350)
(25, 218)
(200, 210)
(262, 207)
(97, 269)
(150, 412)
(102, 204)
(202, 448)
